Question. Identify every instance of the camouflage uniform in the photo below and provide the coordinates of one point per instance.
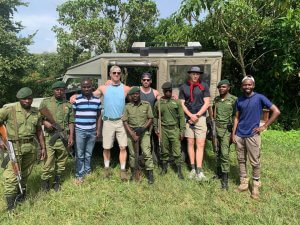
(56, 155)
(23, 125)
(224, 111)
(137, 116)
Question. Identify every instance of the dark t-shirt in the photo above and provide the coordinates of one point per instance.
(250, 109)
(195, 106)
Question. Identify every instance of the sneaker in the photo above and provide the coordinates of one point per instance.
(107, 172)
(192, 174)
(78, 181)
(200, 177)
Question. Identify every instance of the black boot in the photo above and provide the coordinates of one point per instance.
(179, 173)
(218, 174)
(11, 202)
(21, 197)
(56, 185)
(224, 181)
(45, 185)
(164, 169)
(150, 177)
(132, 174)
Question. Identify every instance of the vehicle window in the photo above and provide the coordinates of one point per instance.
(74, 83)
(131, 75)
(179, 75)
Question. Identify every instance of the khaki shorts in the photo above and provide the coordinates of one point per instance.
(199, 131)
(112, 129)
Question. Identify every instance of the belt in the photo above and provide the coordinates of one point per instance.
(170, 126)
(221, 125)
(110, 119)
(23, 141)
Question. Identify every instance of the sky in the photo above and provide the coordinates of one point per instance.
(41, 16)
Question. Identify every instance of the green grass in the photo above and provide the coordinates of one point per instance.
(169, 200)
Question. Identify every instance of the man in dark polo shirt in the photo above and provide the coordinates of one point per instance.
(195, 99)
(247, 129)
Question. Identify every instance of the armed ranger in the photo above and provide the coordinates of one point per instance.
(58, 133)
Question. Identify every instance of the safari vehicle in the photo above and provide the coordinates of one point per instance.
(165, 61)
(169, 62)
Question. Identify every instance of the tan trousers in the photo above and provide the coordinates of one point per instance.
(249, 147)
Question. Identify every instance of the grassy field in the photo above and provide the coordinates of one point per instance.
(169, 200)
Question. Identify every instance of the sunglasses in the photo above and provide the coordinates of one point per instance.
(116, 73)
(146, 80)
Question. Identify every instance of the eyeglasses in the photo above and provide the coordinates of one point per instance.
(146, 80)
(116, 73)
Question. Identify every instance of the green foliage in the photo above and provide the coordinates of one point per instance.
(96, 26)
(170, 200)
(172, 29)
(47, 67)
(261, 38)
(14, 57)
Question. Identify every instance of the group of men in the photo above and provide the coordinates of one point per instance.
(168, 118)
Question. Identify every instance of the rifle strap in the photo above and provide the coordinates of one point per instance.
(215, 112)
(54, 106)
(14, 113)
(159, 121)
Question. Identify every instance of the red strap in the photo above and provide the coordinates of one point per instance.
(192, 86)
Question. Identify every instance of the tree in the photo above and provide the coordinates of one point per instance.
(256, 37)
(172, 29)
(43, 73)
(14, 56)
(90, 27)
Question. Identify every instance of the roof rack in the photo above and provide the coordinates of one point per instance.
(144, 48)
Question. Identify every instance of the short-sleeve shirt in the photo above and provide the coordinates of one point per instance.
(86, 111)
(250, 109)
(61, 111)
(27, 122)
(199, 95)
(137, 115)
(224, 108)
(171, 113)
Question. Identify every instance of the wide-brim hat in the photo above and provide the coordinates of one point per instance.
(195, 69)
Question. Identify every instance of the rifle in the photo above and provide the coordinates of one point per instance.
(159, 130)
(214, 138)
(137, 168)
(11, 157)
(59, 132)
(213, 131)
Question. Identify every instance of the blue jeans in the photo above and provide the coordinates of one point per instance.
(85, 141)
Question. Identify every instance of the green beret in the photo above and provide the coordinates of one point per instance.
(223, 82)
(167, 85)
(134, 90)
(58, 84)
(24, 93)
